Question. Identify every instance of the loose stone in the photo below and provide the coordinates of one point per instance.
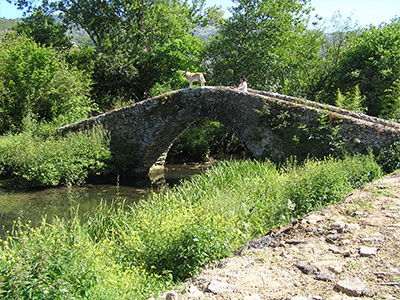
(171, 295)
(305, 267)
(217, 287)
(194, 292)
(367, 251)
(324, 276)
(353, 287)
(336, 269)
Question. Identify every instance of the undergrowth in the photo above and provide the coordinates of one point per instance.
(136, 252)
(43, 160)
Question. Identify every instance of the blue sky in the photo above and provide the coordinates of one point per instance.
(364, 12)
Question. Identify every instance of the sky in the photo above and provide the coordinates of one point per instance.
(364, 12)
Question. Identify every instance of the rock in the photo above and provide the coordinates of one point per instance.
(353, 287)
(253, 297)
(305, 267)
(324, 276)
(367, 251)
(336, 269)
(372, 240)
(194, 292)
(338, 226)
(299, 298)
(217, 287)
(296, 242)
(170, 295)
(335, 250)
(331, 238)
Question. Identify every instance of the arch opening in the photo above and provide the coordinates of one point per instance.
(204, 141)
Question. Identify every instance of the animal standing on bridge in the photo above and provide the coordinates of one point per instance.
(192, 77)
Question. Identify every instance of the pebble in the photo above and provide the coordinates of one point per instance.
(331, 238)
(353, 227)
(367, 251)
(337, 269)
(216, 287)
(335, 250)
(194, 292)
(353, 287)
(305, 267)
(324, 276)
(171, 295)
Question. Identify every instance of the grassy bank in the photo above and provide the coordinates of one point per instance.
(41, 160)
(133, 253)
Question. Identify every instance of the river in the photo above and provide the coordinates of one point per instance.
(33, 205)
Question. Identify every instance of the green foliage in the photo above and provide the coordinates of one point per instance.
(316, 139)
(368, 63)
(44, 30)
(389, 158)
(133, 253)
(51, 161)
(351, 101)
(170, 60)
(139, 43)
(60, 261)
(268, 41)
(7, 24)
(201, 140)
(318, 184)
(37, 84)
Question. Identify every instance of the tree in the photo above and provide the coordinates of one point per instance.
(266, 40)
(44, 30)
(371, 61)
(127, 35)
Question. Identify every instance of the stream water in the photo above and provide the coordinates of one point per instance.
(50, 202)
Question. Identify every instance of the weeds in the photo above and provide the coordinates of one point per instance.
(51, 161)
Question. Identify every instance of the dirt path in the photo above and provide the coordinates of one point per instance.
(350, 250)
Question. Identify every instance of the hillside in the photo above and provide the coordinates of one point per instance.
(7, 24)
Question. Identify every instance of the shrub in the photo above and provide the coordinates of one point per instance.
(53, 160)
(36, 83)
(389, 158)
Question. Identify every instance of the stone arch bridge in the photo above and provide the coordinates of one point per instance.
(270, 125)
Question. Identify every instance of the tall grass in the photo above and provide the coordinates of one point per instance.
(54, 160)
(134, 252)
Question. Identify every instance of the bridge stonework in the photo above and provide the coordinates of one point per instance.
(269, 124)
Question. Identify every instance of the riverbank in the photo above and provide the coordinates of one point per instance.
(349, 250)
(122, 252)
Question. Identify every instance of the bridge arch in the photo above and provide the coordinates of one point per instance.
(142, 132)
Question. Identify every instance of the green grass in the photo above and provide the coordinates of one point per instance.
(54, 160)
(135, 252)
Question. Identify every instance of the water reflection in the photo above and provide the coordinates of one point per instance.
(50, 202)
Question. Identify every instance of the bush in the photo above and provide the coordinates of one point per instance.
(53, 160)
(36, 83)
(389, 158)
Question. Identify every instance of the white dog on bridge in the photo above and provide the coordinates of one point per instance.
(191, 77)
